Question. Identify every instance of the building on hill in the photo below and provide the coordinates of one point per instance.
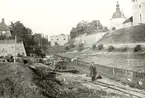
(4, 30)
(61, 39)
(117, 18)
(138, 10)
(128, 22)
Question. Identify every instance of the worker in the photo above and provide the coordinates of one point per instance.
(93, 71)
(74, 60)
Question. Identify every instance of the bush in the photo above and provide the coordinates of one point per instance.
(137, 48)
(66, 48)
(124, 49)
(94, 47)
(81, 47)
(110, 48)
(100, 47)
(39, 52)
(1, 56)
(19, 55)
(72, 46)
(113, 28)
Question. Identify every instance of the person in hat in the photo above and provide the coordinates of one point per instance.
(93, 71)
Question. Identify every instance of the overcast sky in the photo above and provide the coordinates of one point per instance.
(52, 17)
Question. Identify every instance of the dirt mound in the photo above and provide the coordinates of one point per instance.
(135, 34)
(19, 81)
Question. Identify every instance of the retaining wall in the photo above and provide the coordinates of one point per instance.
(8, 47)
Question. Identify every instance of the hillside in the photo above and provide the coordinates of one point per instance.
(135, 34)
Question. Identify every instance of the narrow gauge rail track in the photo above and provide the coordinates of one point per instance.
(131, 92)
(121, 89)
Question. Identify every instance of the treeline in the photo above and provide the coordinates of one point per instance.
(87, 27)
(35, 44)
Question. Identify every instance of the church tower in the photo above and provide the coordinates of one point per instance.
(138, 10)
(117, 18)
(4, 30)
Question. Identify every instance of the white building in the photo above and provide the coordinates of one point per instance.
(117, 18)
(138, 9)
(59, 39)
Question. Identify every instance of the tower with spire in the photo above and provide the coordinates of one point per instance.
(4, 30)
(117, 7)
(117, 18)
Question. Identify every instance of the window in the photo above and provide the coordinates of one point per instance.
(57, 39)
(140, 18)
(64, 39)
(139, 6)
(3, 32)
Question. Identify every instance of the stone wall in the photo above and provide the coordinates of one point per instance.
(8, 47)
(90, 39)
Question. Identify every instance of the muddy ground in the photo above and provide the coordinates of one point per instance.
(21, 81)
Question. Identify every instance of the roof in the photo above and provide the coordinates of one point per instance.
(3, 26)
(118, 13)
(128, 20)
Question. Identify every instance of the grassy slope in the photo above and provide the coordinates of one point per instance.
(56, 49)
(18, 81)
(135, 34)
(15, 81)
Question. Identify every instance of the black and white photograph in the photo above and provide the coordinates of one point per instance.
(72, 48)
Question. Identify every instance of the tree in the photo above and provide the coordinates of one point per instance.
(49, 43)
(38, 39)
(113, 28)
(33, 43)
(44, 43)
(106, 29)
(73, 33)
(85, 27)
(56, 44)
(23, 34)
(96, 25)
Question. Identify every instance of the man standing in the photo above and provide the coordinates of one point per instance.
(93, 71)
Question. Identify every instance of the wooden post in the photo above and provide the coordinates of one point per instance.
(113, 70)
(15, 49)
(76, 62)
